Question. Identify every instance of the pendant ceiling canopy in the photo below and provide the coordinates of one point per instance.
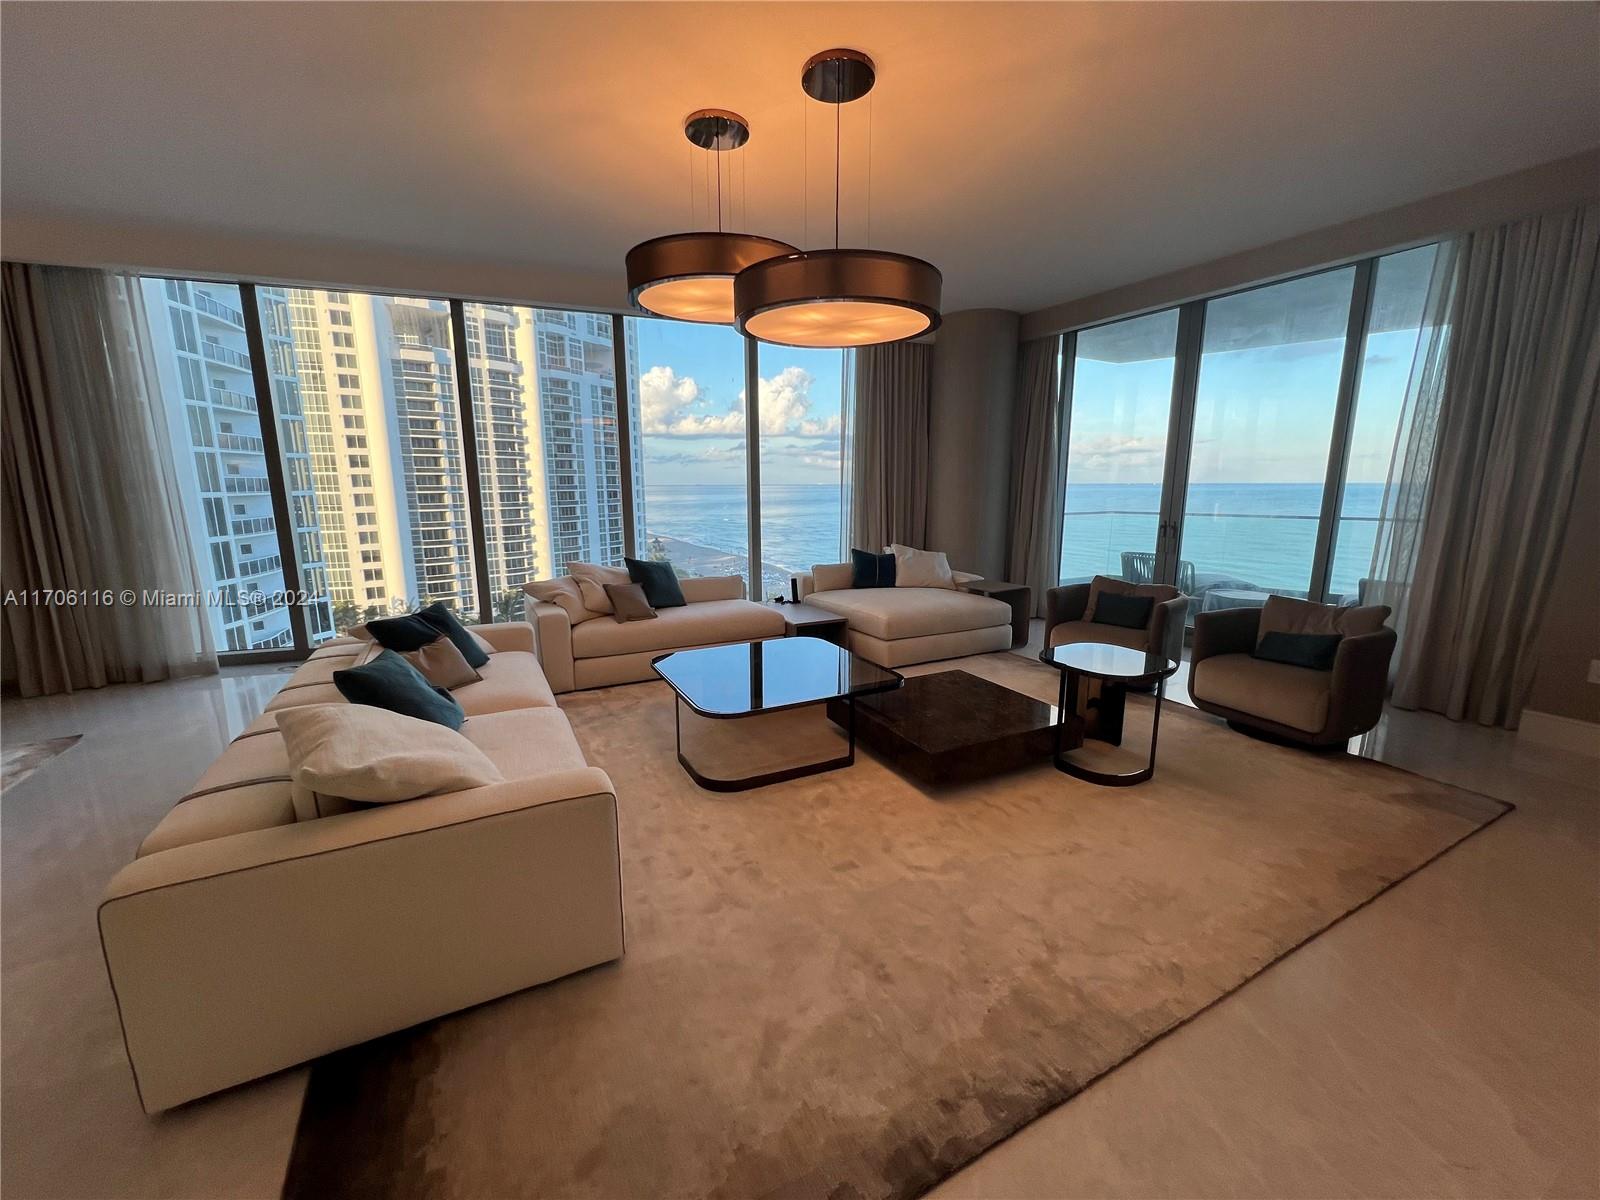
(689, 276)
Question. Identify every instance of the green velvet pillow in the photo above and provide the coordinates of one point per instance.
(659, 581)
(1313, 650)
(390, 682)
(1126, 612)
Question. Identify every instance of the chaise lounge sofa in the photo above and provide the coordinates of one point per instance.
(250, 933)
(899, 626)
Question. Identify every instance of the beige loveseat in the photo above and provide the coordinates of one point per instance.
(599, 650)
(243, 940)
(899, 626)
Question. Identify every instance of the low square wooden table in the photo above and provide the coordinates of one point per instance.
(954, 727)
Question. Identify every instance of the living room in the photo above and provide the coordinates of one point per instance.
(800, 599)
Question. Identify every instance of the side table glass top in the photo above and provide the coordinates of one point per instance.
(752, 677)
(1105, 661)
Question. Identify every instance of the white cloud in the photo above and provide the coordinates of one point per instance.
(665, 401)
(672, 405)
(1121, 451)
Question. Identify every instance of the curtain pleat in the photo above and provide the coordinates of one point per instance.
(1037, 488)
(890, 432)
(1519, 399)
(91, 502)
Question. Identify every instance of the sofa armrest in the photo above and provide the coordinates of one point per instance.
(237, 957)
(1227, 631)
(700, 588)
(552, 642)
(1063, 604)
(1166, 627)
(962, 578)
(1360, 682)
(507, 635)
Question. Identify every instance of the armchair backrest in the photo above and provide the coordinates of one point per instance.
(1285, 614)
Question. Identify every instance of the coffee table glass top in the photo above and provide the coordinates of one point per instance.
(752, 677)
(1106, 661)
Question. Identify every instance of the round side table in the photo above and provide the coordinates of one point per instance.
(1116, 668)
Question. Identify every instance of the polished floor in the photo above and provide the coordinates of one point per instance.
(1442, 1041)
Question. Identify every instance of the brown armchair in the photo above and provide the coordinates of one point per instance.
(1299, 704)
(1068, 609)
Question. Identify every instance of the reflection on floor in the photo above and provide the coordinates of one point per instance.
(1440, 1041)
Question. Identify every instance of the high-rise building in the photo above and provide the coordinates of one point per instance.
(364, 388)
(202, 358)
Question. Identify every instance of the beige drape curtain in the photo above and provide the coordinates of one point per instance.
(1037, 486)
(90, 501)
(889, 460)
(1520, 392)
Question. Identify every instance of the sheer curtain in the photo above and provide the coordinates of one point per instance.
(1037, 488)
(90, 500)
(1503, 408)
(889, 433)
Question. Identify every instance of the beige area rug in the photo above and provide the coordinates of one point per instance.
(849, 986)
(19, 762)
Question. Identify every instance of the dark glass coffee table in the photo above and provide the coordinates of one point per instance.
(748, 679)
(1116, 668)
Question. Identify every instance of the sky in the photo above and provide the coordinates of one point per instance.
(691, 397)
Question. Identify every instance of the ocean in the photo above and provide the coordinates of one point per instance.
(1248, 536)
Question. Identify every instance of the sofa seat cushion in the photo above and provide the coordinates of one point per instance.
(511, 679)
(707, 623)
(214, 815)
(529, 741)
(1293, 696)
(1069, 632)
(892, 613)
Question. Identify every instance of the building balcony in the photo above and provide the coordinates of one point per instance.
(217, 353)
(247, 485)
(242, 443)
(237, 401)
(248, 526)
(218, 311)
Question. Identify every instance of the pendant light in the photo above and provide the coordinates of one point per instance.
(838, 297)
(689, 276)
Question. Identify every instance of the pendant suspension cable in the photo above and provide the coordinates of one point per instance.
(719, 191)
(869, 168)
(805, 171)
(838, 117)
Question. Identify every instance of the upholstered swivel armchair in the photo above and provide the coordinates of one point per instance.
(1315, 706)
(1071, 612)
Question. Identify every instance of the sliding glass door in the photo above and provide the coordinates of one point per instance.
(1119, 407)
(1269, 377)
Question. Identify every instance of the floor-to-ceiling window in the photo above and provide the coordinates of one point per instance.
(1119, 407)
(1263, 422)
(1394, 327)
(386, 494)
(801, 420)
(544, 399)
(202, 358)
(686, 385)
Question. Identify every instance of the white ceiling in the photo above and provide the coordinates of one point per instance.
(1034, 152)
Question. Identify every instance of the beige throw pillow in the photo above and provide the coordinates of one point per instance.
(1285, 614)
(831, 577)
(921, 568)
(565, 594)
(359, 752)
(629, 602)
(442, 664)
(591, 579)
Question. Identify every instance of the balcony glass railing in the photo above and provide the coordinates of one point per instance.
(224, 356)
(222, 312)
(224, 398)
(241, 442)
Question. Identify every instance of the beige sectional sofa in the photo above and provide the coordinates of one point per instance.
(899, 626)
(599, 651)
(250, 934)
